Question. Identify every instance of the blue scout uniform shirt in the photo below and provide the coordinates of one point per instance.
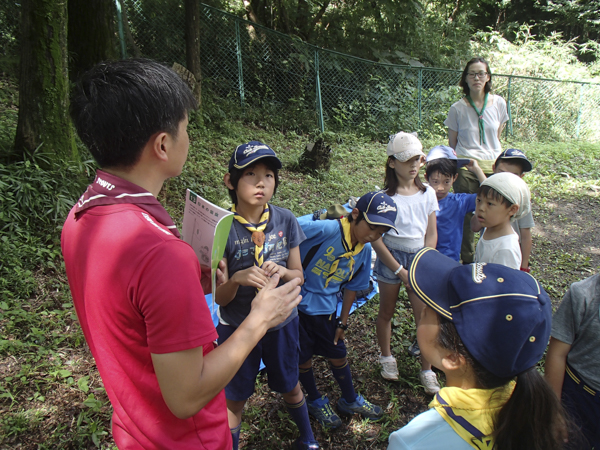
(281, 234)
(450, 219)
(326, 237)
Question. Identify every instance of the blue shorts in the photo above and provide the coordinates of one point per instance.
(279, 352)
(316, 337)
(385, 274)
(583, 405)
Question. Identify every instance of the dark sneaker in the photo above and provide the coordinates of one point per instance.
(321, 410)
(414, 349)
(360, 406)
(312, 445)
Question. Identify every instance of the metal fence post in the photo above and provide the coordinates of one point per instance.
(121, 33)
(238, 50)
(509, 127)
(318, 88)
(419, 99)
(579, 111)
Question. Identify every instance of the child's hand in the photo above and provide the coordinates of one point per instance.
(222, 275)
(403, 275)
(472, 166)
(339, 334)
(252, 276)
(271, 268)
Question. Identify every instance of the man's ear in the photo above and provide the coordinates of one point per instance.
(513, 209)
(227, 181)
(159, 144)
(453, 361)
(355, 212)
(455, 178)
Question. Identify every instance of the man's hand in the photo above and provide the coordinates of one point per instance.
(274, 304)
(339, 334)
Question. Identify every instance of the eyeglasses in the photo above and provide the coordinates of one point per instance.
(475, 75)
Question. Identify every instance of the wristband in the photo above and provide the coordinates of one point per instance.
(398, 269)
(526, 269)
(342, 326)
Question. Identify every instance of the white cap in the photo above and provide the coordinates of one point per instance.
(403, 146)
(513, 188)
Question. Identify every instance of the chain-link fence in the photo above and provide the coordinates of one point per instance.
(278, 75)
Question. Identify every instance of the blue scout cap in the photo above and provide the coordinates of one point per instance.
(443, 151)
(246, 154)
(378, 208)
(517, 155)
(502, 315)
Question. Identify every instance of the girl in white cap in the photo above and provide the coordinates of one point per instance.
(415, 229)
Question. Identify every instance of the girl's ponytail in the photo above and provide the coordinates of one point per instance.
(533, 418)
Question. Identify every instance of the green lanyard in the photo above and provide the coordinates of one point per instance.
(480, 115)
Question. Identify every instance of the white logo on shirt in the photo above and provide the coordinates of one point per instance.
(149, 219)
(478, 275)
(105, 184)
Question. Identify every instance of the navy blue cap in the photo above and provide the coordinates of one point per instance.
(378, 208)
(443, 151)
(518, 155)
(246, 154)
(502, 315)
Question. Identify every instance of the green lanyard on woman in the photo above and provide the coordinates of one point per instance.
(480, 115)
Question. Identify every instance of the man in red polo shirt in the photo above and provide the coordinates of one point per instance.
(135, 285)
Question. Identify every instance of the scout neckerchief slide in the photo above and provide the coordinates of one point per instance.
(480, 115)
(350, 252)
(258, 235)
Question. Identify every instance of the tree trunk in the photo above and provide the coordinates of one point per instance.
(43, 85)
(192, 45)
(92, 34)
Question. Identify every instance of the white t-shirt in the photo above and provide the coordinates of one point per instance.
(503, 250)
(463, 119)
(412, 217)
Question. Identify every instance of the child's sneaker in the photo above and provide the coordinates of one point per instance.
(389, 368)
(429, 381)
(321, 410)
(312, 445)
(360, 406)
(414, 350)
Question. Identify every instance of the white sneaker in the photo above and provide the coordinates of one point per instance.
(389, 368)
(429, 380)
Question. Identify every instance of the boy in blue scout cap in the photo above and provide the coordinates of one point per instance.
(336, 256)
(485, 326)
(264, 240)
(441, 173)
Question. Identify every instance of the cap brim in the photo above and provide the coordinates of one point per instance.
(252, 161)
(376, 220)
(461, 162)
(428, 277)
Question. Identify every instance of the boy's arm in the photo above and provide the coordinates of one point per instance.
(431, 231)
(252, 276)
(526, 244)
(473, 167)
(556, 363)
(293, 269)
(188, 380)
(349, 297)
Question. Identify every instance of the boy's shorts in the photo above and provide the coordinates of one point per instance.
(316, 337)
(403, 256)
(582, 405)
(279, 352)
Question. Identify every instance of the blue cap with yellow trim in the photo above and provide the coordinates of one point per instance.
(246, 154)
(502, 315)
(378, 208)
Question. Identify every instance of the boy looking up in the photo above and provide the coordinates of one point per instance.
(263, 242)
(515, 161)
(501, 198)
(135, 284)
(441, 173)
(337, 255)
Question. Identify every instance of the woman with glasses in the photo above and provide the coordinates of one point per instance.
(475, 123)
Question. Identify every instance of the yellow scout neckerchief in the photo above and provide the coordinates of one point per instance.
(471, 412)
(258, 235)
(350, 252)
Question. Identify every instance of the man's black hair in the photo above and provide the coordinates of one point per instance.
(445, 166)
(117, 107)
(236, 174)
